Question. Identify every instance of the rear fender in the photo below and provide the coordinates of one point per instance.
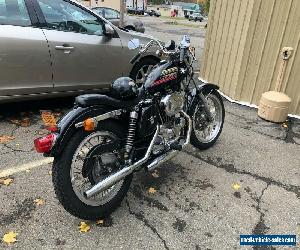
(66, 126)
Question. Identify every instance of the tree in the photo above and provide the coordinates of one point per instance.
(206, 6)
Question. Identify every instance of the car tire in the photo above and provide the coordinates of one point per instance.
(143, 64)
(130, 28)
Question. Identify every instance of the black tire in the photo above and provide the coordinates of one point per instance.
(194, 140)
(62, 180)
(147, 61)
(130, 28)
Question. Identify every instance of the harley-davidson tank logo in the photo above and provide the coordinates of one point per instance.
(167, 77)
(169, 71)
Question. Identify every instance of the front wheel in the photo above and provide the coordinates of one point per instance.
(205, 134)
(87, 159)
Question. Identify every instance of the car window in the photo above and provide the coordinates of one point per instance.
(111, 14)
(14, 12)
(64, 16)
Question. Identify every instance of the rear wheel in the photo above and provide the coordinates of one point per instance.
(130, 28)
(87, 159)
(143, 68)
(205, 133)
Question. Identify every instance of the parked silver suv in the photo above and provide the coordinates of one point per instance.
(59, 47)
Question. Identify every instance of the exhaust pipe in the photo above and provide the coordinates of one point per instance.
(168, 156)
(118, 176)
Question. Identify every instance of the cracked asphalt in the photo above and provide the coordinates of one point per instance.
(195, 206)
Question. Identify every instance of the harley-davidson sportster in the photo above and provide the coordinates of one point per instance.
(99, 144)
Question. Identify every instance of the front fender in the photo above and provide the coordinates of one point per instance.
(66, 125)
(203, 88)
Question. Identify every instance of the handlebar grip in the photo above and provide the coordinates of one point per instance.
(135, 58)
(182, 52)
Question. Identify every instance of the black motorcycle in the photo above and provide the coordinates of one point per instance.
(99, 144)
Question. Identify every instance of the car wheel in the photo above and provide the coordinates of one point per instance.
(143, 68)
(130, 28)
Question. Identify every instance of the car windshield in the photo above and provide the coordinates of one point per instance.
(107, 13)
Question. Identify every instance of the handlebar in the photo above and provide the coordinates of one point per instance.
(162, 50)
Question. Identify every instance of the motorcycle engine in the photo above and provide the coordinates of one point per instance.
(171, 105)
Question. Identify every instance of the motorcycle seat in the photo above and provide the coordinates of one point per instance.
(98, 99)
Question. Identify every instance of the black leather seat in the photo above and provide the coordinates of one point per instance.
(97, 99)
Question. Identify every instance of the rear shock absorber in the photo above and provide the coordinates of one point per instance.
(131, 134)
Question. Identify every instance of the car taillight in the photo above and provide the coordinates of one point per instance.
(44, 144)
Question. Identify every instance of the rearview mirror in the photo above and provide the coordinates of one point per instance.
(108, 30)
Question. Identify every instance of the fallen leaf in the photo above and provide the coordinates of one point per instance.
(15, 121)
(284, 125)
(39, 202)
(84, 227)
(48, 118)
(17, 144)
(10, 237)
(6, 182)
(25, 122)
(155, 174)
(99, 222)
(6, 138)
(152, 190)
(236, 186)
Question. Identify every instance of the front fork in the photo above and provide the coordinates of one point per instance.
(205, 107)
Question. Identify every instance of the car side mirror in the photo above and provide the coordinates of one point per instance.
(108, 30)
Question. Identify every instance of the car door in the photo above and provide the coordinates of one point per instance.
(25, 66)
(82, 56)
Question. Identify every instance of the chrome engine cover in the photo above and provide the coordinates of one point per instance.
(171, 130)
(173, 103)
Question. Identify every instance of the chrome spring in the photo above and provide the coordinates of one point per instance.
(131, 134)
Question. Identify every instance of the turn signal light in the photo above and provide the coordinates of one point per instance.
(44, 144)
(89, 124)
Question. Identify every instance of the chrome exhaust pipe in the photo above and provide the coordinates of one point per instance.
(118, 176)
(169, 155)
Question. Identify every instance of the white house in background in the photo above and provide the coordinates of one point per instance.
(136, 4)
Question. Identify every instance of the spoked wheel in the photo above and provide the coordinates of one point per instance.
(141, 69)
(88, 159)
(205, 133)
(92, 162)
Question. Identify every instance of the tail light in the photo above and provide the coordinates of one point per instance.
(44, 144)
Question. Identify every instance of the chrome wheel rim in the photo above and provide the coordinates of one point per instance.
(205, 131)
(80, 183)
(142, 74)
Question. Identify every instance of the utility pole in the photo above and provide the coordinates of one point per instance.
(122, 10)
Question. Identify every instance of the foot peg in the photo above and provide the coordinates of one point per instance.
(175, 146)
